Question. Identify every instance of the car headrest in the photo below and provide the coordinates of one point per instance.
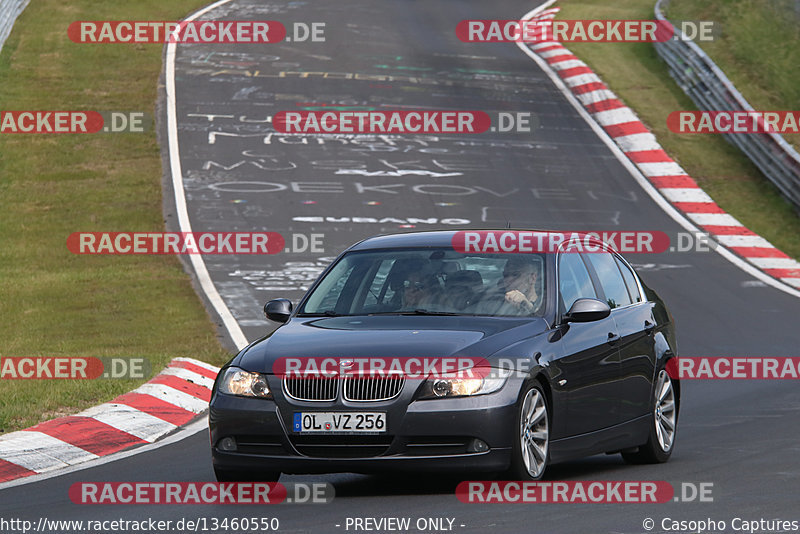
(470, 279)
(402, 268)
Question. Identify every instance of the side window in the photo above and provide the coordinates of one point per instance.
(610, 279)
(630, 281)
(574, 281)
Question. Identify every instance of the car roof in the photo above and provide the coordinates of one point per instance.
(444, 238)
(435, 238)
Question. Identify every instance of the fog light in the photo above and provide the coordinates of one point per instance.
(477, 445)
(442, 388)
(227, 444)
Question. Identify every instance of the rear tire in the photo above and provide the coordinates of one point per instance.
(531, 450)
(663, 425)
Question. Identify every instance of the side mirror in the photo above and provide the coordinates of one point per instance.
(278, 310)
(587, 310)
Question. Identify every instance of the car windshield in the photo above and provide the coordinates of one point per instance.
(430, 281)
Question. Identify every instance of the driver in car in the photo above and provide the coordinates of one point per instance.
(520, 292)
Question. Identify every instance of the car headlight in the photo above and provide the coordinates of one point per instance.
(243, 383)
(461, 386)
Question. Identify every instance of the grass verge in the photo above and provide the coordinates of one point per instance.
(636, 73)
(54, 303)
(757, 49)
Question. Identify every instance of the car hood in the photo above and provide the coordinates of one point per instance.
(388, 336)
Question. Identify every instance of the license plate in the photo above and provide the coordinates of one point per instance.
(339, 422)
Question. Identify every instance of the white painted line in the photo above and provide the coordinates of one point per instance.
(42, 453)
(189, 430)
(774, 263)
(593, 97)
(615, 116)
(173, 396)
(637, 175)
(567, 64)
(685, 194)
(198, 264)
(661, 168)
(582, 79)
(189, 376)
(713, 219)
(557, 52)
(743, 241)
(640, 141)
(135, 422)
(792, 281)
(545, 44)
(39, 452)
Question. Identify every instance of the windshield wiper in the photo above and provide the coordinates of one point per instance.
(429, 312)
(326, 313)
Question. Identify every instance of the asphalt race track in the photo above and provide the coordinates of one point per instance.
(240, 175)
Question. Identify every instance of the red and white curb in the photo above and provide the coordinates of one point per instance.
(170, 400)
(641, 147)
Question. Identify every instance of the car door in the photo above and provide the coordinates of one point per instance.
(635, 324)
(588, 371)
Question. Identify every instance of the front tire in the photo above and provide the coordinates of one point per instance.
(531, 450)
(663, 426)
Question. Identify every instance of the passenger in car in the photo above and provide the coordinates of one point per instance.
(421, 291)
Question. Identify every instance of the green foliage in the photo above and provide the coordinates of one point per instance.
(54, 303)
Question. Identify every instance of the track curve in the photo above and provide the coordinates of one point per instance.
(239, 176)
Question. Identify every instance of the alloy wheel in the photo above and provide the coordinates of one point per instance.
(664, 412)
(534, 434)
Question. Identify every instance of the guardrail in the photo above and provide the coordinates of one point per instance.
(9, 11)
(711, 90)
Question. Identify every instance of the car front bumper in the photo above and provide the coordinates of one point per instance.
(423, 435)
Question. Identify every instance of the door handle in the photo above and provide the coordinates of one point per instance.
(649, 327)
(613, 338)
